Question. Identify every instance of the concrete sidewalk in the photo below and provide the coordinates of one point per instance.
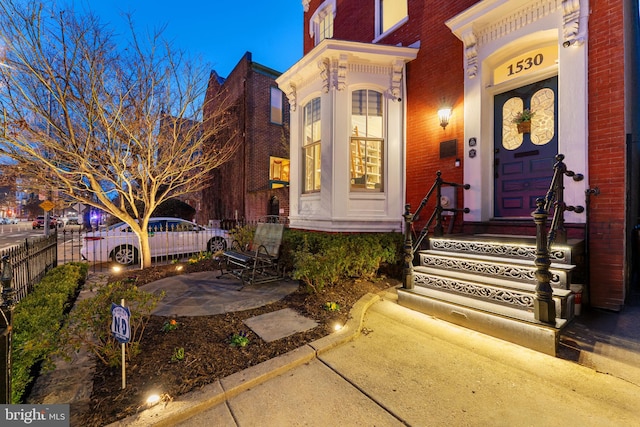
(392, 366)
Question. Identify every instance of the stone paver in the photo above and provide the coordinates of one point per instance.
(279, 324)
(204, 294)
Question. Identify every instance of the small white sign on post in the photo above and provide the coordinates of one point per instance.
(120, 328)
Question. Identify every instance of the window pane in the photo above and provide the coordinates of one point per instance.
(366, 145)
(316, 177)
(308, 167)
(542, 123)
(374, 104)
(357, 102)
(312, 146)
(374, 120)
(366, 113)
(391, 12)
(307, 139)
(276, 105)
(511, 138)
(326, 27)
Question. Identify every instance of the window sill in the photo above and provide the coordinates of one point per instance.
(369, 195)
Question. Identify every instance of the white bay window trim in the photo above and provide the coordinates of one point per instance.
(333, 70)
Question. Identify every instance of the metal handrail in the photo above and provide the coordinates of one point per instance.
(544, 306)
(555, 198)
(438, 231)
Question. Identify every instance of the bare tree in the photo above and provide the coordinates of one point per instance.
(116, 128)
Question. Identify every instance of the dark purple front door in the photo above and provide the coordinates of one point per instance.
(523, 161)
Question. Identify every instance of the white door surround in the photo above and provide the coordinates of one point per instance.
(496, 33)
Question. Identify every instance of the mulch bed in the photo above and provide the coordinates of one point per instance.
(208, 356)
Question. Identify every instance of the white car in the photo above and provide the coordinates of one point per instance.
(168, 237)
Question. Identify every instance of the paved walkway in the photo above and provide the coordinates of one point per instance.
(204, 294)
(391, 366)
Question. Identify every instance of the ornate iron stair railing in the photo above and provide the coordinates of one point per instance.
(544, 306)
(438, 230)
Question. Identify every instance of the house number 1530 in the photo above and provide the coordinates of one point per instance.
(525, 64)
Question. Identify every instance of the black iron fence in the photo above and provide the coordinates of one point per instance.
(30, 261)
(107, 246)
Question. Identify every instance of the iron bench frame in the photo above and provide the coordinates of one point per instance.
(259, 262)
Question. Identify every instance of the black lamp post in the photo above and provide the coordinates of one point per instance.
(7, 305)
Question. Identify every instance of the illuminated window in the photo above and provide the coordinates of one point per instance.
(311, 146)
(511, 138)
(321, 23)
(390, 14)
(543, 121)
(276, 105)
(366, 143)
(278, 172)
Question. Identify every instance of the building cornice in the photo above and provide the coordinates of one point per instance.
(331, 60)
(490, 20)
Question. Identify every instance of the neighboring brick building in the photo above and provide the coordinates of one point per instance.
(573, 61)
(254, 182)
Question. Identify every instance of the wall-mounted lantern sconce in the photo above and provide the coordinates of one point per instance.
(444, 114)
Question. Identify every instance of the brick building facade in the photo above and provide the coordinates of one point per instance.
(575, 61)
(254, 182)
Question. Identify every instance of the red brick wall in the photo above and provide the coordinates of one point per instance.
(606, 153)
(434, 79)
(225, 195)
(265, 139)
(242, 184)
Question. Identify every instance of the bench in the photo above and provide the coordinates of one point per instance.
(259, 262)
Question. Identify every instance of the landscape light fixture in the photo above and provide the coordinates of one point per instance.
(444, 114)
(153, 399)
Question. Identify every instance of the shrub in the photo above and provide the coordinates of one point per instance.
(322, 259)
(90, 322)
(243, 235)
(37, 320)
(319, 269)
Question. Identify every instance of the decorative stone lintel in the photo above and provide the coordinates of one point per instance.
(324, 65)
(396, 78)
(291, 96)
(571, 30)
(471, 52)
(341, 72)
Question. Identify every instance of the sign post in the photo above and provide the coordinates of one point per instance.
(121, 330)
(46, 206)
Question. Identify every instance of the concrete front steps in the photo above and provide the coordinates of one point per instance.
(487, 283)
